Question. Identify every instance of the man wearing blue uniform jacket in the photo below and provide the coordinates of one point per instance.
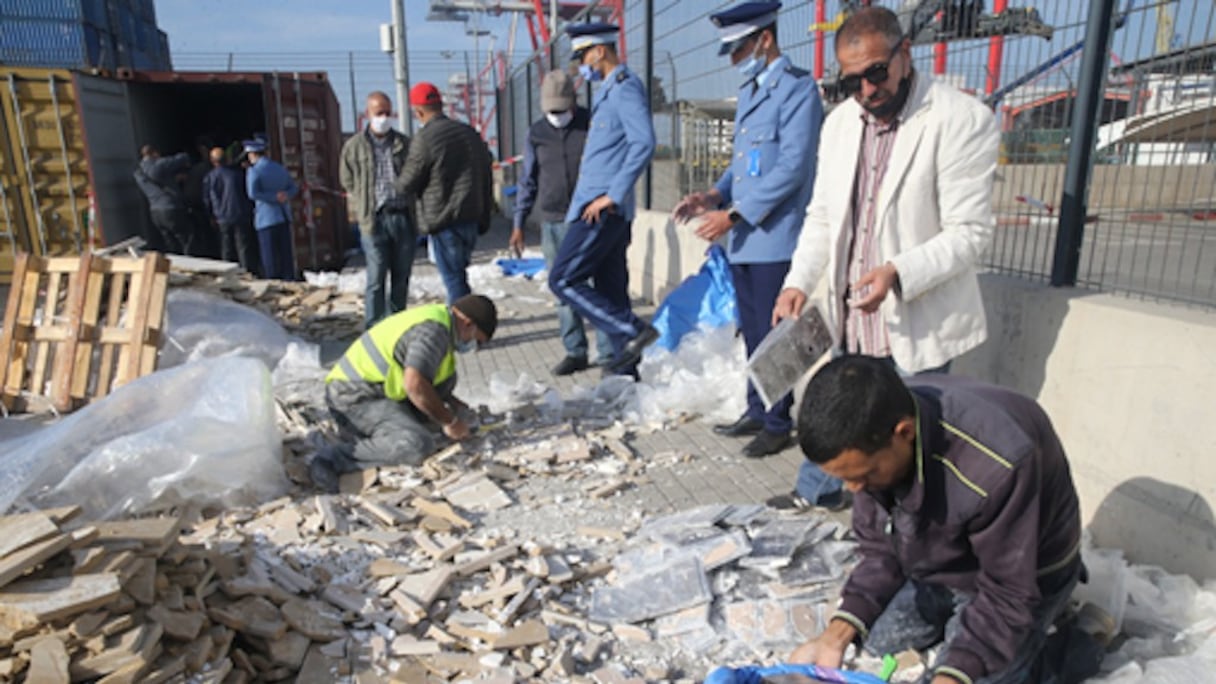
(271, 188)
(619, 146)
(761, 197)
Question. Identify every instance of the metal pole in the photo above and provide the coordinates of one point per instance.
(1077, 174)
(354, 99)
(401, 65)
(821, 16)
(648, 183)
(996, 53)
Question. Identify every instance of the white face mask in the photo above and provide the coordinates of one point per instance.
(380, 124)
(560, 119)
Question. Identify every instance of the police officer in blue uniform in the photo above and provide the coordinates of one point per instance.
(618, 149)
(761, 198)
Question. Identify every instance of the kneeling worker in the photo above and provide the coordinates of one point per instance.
(967, 519)
(392, 389)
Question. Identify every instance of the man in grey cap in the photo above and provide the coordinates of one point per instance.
(553, 150)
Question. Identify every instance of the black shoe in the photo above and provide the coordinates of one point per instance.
(768, 443)
(789, 502)
(570, 365)
(746, 426)
(631, 353)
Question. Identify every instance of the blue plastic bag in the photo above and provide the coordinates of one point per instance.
(521, 267)
(756, 675)
(706, 299)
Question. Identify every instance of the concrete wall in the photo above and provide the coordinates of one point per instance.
(1114, 188)
(1129, 385)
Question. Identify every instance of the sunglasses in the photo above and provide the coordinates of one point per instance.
(876, 74)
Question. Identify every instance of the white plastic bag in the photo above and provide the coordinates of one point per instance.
(201, 434)
(203, 326)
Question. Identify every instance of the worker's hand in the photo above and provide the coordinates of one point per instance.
(873, 287)
(457, 430)
(714, 225)
(789, 304)
(695, 204)
(516, 243)
(818, 652)
(598, 206)
(282, 196)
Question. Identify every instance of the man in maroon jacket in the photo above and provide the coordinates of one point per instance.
(966, 515)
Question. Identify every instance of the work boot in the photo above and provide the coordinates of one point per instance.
(746, 426)
(324, 475)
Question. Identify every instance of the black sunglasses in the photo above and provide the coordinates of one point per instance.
(876, 74)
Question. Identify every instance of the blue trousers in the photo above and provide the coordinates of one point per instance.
(756, 290)
(453, 252)
(590, 276)
(389, 251)
(278, 262)
(574, 337)
(818, 487)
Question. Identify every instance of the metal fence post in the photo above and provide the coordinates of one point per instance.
(648, 183)
(1077, 174)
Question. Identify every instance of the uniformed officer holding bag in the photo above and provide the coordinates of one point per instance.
(761, 197)
(619, 147)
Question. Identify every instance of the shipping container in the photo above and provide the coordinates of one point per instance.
(99, 123)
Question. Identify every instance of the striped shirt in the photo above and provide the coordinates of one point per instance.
(865, 333)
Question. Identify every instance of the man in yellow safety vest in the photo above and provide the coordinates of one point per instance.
(393, 386)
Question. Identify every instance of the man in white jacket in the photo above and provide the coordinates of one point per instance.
(900, 214)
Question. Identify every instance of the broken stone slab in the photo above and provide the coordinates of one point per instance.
(682, 621)
(252, 615)
(528, 633)
(476, 492)
(675, 586)
(775, 544)
(315, 620)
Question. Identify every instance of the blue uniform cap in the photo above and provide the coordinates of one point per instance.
(256, 146)
(583, 36)
(738, 23)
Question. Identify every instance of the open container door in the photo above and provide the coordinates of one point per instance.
(305, 136)
(119, 210)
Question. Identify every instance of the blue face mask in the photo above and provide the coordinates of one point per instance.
(753, 66)
(590, 73)
(465, 346)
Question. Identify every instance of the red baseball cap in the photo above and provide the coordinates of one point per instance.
(425, 94)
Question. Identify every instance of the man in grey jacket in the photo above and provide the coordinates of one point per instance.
(448, 170)
(156, 177)
(371, 161)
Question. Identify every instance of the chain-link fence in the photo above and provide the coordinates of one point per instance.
(1148, 225)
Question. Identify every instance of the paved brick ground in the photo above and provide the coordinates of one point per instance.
(528, 341)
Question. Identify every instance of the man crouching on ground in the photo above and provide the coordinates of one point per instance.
(965, 512)
(393, 386)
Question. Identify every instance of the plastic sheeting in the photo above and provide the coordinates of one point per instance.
(705, 300)
(203, 326)
(203, 434)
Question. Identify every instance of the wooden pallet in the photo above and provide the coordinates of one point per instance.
(75, 328)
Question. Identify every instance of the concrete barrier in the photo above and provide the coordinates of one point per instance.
(1128, 384)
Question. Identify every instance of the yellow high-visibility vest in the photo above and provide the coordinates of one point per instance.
(370, 358)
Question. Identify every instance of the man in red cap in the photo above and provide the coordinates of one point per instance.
(448, 170)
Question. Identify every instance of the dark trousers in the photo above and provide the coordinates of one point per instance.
(175, 229)
(274, 242)
(453, 251)
(590, 276)
(756, 290)
(389, 251)
(238, 244)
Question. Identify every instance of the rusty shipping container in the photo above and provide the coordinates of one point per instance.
(70, 139)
